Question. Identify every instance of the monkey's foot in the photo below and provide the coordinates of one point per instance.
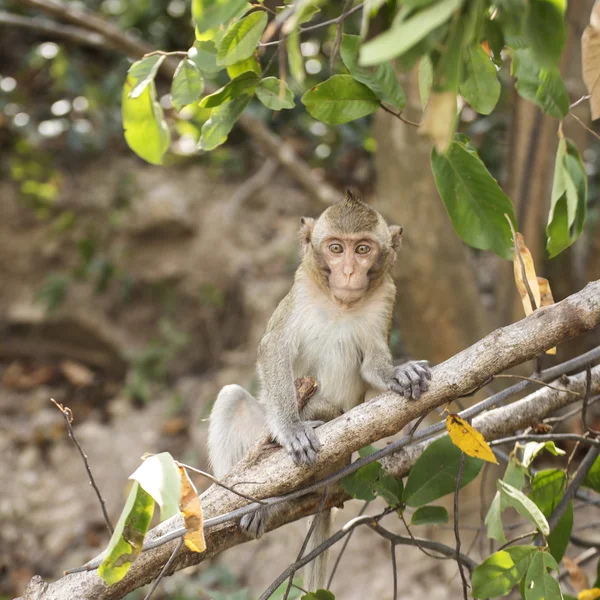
(253, 525)
(300, 440)
(411, 379)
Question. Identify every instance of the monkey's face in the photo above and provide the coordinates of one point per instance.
(349, 260)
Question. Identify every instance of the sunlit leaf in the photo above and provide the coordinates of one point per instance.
(250, 64)
(532, 449)
(221, 122)
(400, 38)
(209, 14)
(204, 55)
(591, 594)
(243, 84)
(128, 538)
(241, 39)
(340, 99)
(142, 73)
(319, 595)
(146, 131)
(159, 476)
(269, 92)
(500, 572)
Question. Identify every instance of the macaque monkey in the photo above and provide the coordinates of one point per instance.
(334, 325)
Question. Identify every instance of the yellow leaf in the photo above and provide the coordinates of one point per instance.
(589, 594)
(191, 509)
(529, 274)
(546, 299)
(468, 439)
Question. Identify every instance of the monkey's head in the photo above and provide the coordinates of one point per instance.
(349, 248)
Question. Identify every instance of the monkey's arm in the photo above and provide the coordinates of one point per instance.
(278, 394)
(410, 379)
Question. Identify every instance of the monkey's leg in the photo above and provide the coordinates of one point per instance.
(236, 421)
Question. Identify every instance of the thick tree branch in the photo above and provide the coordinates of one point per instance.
(116, 39)
(275, 473)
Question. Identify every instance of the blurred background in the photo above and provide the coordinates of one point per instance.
(132, 293)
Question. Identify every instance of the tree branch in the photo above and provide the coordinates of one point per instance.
(369, 422)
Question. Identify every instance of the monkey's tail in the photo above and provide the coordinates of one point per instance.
(315, 572)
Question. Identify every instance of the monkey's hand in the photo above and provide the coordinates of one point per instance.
(411, 379)
(300, 440)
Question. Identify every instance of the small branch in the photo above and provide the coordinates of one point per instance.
(517, 539)
(220, 483)
(533, 380)
(336, 537)
(578, 102)
(339, 28)
(549, 437)
(344, 546)
(588, 129)
(412, 537)
(465, 585)
(67, 413)
(163, 53)
(399, 116)
(394, 570)
(443, 549)
(165, 569)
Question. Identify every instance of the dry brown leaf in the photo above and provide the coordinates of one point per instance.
(76, 373)
(529, 274)
(191, 509)
(590, 58)
(546, 299)
(577, 576)
(439, 119)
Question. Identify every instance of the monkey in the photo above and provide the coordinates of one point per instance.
(334, 325)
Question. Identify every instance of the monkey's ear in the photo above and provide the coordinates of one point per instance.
(305, 233)
(396, 231)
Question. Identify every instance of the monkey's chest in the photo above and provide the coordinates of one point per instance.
(332, 355)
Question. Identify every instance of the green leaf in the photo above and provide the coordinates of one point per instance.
(243, 84)
(142, 73)
(560, 536)
(429, 515)
(128, 538)
(523, 505)
(339, 100)
(389, 489)
(592, 481)
(532, 449)
(367, 450)
(221, 122)
(474, 200)
(569, 199)
(241, 39)
(268, 92)
(403, 36)
(493, 520)
(209, 14)
(159, 476)
(250, 64)
(360, 484)
(146, 131)
(539, 584)
(480, 87)
(545, 30)
(500, 572)
(187, 84)
(318, 595)
(204, 55)
(295, 59)
(597, 582)
(515, 475)
(425, 78)
(434, 473)
(544, 87)
(380, 80)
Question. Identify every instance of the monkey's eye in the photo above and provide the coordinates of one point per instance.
(363, 249)
(336, 248)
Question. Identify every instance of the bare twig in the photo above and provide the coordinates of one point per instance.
(220, 483)
(443, 549)
(410, 533)
(164, 569)
(578, 102)
(517, 539)
(533, 380)
(394, 569)
(344, 546)
(588, 129)
(67, 413)
(311, 530)
(399, 116)
(339, 28)
(463, 577)
(548, 437)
